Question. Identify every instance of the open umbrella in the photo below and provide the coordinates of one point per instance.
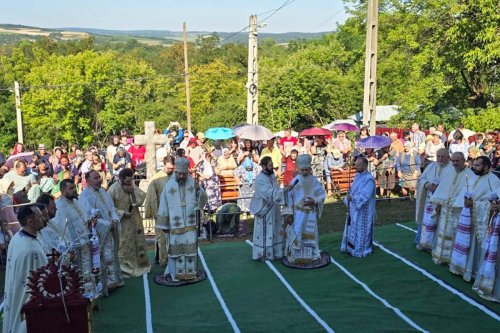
(339, 121)
(375, 142)
(254, 132)
(219, 133)
(344, 127)
(315, 131)
(465, 131)
(26, 156)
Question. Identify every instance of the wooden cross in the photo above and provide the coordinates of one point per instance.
(150, 140)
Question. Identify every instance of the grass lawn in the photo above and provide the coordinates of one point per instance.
(379, 293)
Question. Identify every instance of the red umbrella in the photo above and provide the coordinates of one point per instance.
(315, 131)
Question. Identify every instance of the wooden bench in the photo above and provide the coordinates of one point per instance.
(229, 188)
(342, 180)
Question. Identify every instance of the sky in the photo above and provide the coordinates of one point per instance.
(199, 15)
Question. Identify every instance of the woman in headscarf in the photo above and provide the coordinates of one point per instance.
(7, 214)
(210, 182)
(246, 174)
(226, 163)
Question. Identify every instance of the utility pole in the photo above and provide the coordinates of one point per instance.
(19, 117)
(252, 83)
(186, 77)
(370, 87)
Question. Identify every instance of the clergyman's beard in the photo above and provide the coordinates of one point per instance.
(181, 181)
(71, 197)
(268, 171)
(478, 172)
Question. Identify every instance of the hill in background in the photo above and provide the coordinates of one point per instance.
(12, 33)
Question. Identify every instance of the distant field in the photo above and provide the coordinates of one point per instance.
(40, 32)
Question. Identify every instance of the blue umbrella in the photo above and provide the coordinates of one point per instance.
(375, 142)
(219, 133)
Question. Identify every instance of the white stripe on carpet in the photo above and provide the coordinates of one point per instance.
(218, 294)
(441, 283)
(383, 301)
(407, 228)
(147, 301)
(294, 294)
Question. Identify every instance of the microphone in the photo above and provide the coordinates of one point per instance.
(293, 185)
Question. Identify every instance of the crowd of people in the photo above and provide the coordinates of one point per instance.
(85, 203)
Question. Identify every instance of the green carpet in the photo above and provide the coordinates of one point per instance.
(260, 302)
(123, 310)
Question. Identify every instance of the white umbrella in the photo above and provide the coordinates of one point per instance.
(254, 132)
(281, 134)
(466, 132)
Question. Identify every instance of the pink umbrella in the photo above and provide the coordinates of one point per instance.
(345, 127)
(26, 156)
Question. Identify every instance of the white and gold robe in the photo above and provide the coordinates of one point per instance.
(179, 204)
(302, 242)
(265, 206)
(70, 223)
(487, 282)
(446, 194)
(25, 254)
(481, 188)
(432, 174)
(100, 199)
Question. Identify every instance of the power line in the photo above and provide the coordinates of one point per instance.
(286, 3)
(328, 19)
(234, 34)
(274, 11)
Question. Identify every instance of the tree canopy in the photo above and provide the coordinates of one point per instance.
(437, 59)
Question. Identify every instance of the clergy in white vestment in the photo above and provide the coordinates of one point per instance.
(95, 198)
(360, 200)
(182, 199)
(426, 185)
(447, 192)
(487, 282)
(152, 204)
(265, 206)
(475, 197)
(24, 255)
(73, 222)
(50, 236)
(127, 198)
(305, 203)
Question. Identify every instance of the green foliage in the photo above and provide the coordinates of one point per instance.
(437, 59)
(482, 120)
(218, 96)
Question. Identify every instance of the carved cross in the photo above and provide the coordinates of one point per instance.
(150, 140)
